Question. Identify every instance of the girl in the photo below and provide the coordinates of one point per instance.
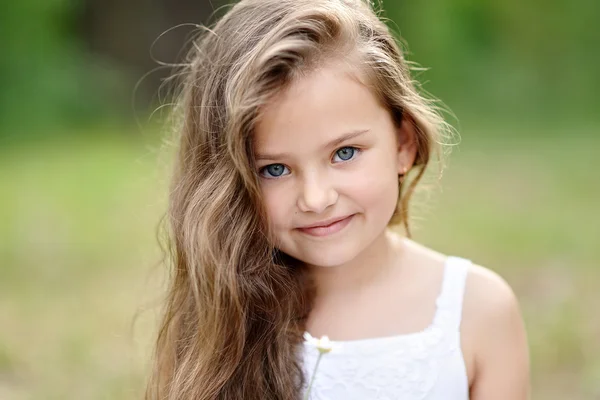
(299, 125)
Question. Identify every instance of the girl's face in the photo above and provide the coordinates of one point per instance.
(327, 149)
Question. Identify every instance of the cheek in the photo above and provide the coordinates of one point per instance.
(278, 205)
(376, 187)
(376, 192)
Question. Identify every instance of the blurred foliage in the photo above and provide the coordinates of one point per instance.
(511, 60)
(48, 79)
(533, 61)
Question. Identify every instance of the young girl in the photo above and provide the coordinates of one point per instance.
(299, 124)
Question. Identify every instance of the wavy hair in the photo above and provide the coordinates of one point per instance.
(236, 307)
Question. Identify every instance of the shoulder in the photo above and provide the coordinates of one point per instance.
(491, 310)
(487, 293)
(493, 330)
(493, 337)
(485, 290)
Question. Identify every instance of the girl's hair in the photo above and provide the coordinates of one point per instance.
(236, 307)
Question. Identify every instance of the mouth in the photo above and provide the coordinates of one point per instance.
(329, 229)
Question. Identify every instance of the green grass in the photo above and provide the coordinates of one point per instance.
(78, 254)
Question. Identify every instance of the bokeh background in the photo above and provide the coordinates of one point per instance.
(83, 178)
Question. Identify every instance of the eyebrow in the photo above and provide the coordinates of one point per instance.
(333, 143)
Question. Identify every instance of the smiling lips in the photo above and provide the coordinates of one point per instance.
(327, 228)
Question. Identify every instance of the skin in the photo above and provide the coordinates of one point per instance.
(366, 273)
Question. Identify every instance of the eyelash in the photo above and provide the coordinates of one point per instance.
(356, 152)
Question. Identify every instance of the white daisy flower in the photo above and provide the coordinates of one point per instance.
(323, 344)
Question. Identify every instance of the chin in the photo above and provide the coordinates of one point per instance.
(323, 261)
(327, 255)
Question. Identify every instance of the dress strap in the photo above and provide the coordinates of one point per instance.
(450, 300)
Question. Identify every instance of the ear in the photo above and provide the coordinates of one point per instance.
(407, 143)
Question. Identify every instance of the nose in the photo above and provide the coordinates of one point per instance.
(316, 195)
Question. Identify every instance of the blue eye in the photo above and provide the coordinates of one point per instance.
(274, 170)
(346, 153)
(277, 170)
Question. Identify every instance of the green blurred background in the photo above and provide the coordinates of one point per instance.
(83, 178)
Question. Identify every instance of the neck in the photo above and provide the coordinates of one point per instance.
(370, 267)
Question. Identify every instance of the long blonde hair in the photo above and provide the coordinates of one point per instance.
(236, 307)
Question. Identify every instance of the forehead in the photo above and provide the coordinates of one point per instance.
(316, 109)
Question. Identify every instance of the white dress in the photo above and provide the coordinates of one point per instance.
(425, 365)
